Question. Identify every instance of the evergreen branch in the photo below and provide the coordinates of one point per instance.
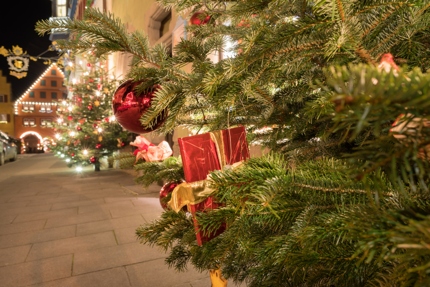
(341, 10)
(99, 31)
(378, 21)
(169, 170)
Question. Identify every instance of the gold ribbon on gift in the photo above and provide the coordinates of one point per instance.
(195, 192)
(217, 138)
(189, 193)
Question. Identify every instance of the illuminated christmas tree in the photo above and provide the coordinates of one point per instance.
(86, 128)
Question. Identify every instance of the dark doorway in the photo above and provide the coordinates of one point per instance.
(31, 143)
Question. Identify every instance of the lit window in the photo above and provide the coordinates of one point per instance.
(32, 94)
(46, 122)
(4, 118)
(61, 8)
(29, 122)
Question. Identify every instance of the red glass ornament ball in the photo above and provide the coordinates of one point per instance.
(90, 107)
(78, 128)
(129, 106)
(165, 192)
(69, 118)
(72, 154)
(200, 18)
(99, 145)
(93, 159)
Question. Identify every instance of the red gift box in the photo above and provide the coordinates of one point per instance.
(207, 152)
(206, 205)
(202, 154)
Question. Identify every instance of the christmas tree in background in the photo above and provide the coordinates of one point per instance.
(86, 129)
(343, 198)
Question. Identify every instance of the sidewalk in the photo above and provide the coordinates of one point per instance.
(60, 228)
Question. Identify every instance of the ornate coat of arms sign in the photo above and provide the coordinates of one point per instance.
(18, 61)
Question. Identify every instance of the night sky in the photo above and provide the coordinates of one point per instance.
(17, 20)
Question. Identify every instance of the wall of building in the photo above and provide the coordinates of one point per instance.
(6, 107)
(35, 110)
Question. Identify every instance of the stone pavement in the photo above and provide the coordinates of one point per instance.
(61, 228)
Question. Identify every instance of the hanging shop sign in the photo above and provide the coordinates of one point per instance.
(19, 60)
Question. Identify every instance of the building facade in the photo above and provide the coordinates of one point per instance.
(35, 110)
(6, 107)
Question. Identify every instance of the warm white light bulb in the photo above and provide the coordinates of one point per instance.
(85, 152)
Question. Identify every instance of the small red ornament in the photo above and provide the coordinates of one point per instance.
(107, 120)
(69, 118)
(72, 154)
(165, 192)
(200, 18)
(78, 128)
(99, 145)
(90, 107)
(93, 159)
(129, 106)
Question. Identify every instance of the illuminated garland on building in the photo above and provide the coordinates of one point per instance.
(19, 100)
